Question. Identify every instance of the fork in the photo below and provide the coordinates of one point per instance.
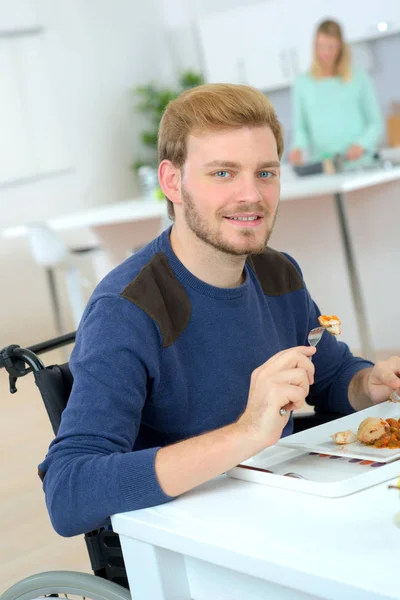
(315, 335)
(394, 397)
(313, 338)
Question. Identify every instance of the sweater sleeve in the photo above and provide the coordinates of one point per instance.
(91, 470)
(300, 133)
(372, 115)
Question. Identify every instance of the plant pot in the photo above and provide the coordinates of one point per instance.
(148, 181)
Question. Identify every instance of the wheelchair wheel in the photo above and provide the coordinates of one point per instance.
(66, 584)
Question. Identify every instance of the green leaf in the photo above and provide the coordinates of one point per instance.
(152, 100)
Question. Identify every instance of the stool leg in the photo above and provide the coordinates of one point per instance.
(75, 295)
(101, 264)
(51, 281)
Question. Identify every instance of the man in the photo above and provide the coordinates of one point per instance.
(188, 351)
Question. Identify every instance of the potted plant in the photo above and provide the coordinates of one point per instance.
(151, 101)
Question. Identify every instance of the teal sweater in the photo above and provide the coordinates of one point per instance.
(331, 114)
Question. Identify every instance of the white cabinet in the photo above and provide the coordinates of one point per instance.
(360, 23)
(300, 21)
(265, 54)
(32, 142)
(221, 36)
(368, 20)
(245, 45)
(17, 15)
(267, 44)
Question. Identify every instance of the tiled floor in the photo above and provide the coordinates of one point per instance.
(28, 543)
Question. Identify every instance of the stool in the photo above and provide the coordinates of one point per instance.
(49, 251)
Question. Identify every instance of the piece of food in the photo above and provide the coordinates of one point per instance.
(391, 439)
(372, 429)
(344, 437)
(331, 323)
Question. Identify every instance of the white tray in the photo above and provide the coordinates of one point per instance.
(330, 475)
(317, 439)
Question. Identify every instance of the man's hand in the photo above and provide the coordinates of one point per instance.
(354, 152)
(383, 379)
(281, 382)
(372, 386)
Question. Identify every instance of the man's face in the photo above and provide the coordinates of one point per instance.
(230, 188)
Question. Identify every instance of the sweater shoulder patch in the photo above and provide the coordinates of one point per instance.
(276, 273)
(158, 292)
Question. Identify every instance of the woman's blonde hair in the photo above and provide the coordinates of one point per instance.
(343, 62)
(215, 106)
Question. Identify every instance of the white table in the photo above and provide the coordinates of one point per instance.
(235, 540)
(123, 226)
(119, 228)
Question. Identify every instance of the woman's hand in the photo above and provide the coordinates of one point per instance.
(354, 152)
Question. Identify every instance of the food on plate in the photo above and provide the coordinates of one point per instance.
(331, 323)
(373, 431)
(344, 437)
(380, 433)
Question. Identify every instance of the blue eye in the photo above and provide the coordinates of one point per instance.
(265, 174)
(222, 174)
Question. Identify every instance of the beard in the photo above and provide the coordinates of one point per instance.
(198, 224)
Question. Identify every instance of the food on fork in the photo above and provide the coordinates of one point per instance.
(344, 437)
(331, 323)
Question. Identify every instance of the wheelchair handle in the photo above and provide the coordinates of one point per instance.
(13, 359)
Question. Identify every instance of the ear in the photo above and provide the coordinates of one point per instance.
(169, 177)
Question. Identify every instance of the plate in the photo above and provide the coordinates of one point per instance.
(323, 475)
(318, 440)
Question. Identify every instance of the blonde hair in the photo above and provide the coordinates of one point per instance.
(212, 107)
(343, 62)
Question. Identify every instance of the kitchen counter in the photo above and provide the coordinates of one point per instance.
(141, 209)
(318, 185)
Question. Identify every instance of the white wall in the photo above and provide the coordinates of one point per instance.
(97, 52)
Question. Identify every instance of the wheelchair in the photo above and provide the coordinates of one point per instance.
(109, 580)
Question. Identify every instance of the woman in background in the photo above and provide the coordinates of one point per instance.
(335, 108)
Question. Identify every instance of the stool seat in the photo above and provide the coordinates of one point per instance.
(49, 250)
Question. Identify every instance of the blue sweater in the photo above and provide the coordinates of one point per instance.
(161, 356)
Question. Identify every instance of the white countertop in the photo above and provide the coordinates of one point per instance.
(319, 185)
(138, 209)
(348, 547)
